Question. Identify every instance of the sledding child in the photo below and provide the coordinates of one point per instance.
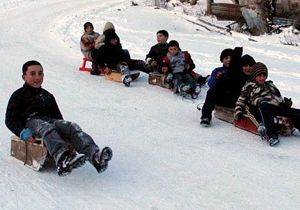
(178, 65)
(87, 40)
(33, 112)
(157, 52)
(266, 102)
(112, 56)
(216, 82)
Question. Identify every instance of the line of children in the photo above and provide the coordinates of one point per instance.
(265, 103)
(33, 112)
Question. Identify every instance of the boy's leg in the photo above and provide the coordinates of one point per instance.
(81, 141)
(209, 104)
(268, 113)
(84, 143)
(55, 145)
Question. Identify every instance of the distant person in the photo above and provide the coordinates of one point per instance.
(264, 97)
(87, 40)
(178, 65)
(33, 112)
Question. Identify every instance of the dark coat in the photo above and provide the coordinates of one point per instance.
(29, 102)
(157, 52)
(110, 55)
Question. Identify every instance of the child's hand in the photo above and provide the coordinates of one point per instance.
(164, 69)
(220, 74)
(187, 66)
(31, 139)
(26, 134)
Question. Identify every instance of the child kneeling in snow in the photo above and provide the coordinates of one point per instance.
(266, 98)
(33, 112)
(178, 65)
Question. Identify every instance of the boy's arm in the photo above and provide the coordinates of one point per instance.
(13, 119)
(166, 65)
(243, 99)
(189, 63)
(212, 82)
(55, 112)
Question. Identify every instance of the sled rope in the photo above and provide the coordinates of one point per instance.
(251, 117)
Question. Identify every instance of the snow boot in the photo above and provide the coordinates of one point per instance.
(262, 131)
(196, 92)
(205, 122)
(95, 71)
(183, 90)
(100, 159)
(68, 161)
(126, 78)
(273, 140)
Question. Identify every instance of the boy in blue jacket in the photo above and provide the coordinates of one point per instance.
(218, 78)
(33, 112)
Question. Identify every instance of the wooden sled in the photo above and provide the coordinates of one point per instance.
(30, 154)
(157, 79)
(115, 75)
(285, 126)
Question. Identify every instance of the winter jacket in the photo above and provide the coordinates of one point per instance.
(254, 94)
(214, 80)
(178, 62)
(100, 41)
(29, 102)
(157, 52)
(87, 43)
(110, 55)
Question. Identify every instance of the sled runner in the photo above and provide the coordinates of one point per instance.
(83, 66)
(117, 76)
(30, 154)
(157, 79)
(284, 125)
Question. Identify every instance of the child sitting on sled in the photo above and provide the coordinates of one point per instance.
(33, 112)
(87, 40)
(178, 65)
(266, 103)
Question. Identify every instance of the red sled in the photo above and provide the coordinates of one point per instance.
(285, 126)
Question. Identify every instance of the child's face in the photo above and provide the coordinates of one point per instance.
(260, 79)
(161, 39)
(247, 70)
(227, 60)
(173, 50)
(113, 41)
(89, 29)
(34, 76)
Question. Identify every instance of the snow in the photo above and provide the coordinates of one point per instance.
(162, 159)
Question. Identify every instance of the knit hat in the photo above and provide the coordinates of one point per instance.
(225, 53)
(87, 24)
(247, 60)
(173, 43)
(259, 68)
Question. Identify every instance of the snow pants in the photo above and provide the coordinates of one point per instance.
(60, 136)
(269, 111)
(183, 78)
(216, 96)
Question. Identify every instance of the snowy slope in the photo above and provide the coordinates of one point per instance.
(163, 159)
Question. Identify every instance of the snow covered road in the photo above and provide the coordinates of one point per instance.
(162, 159)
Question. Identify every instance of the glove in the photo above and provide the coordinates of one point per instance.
(288, 102)
(238, 116)
(25, 134)
(153, 63)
